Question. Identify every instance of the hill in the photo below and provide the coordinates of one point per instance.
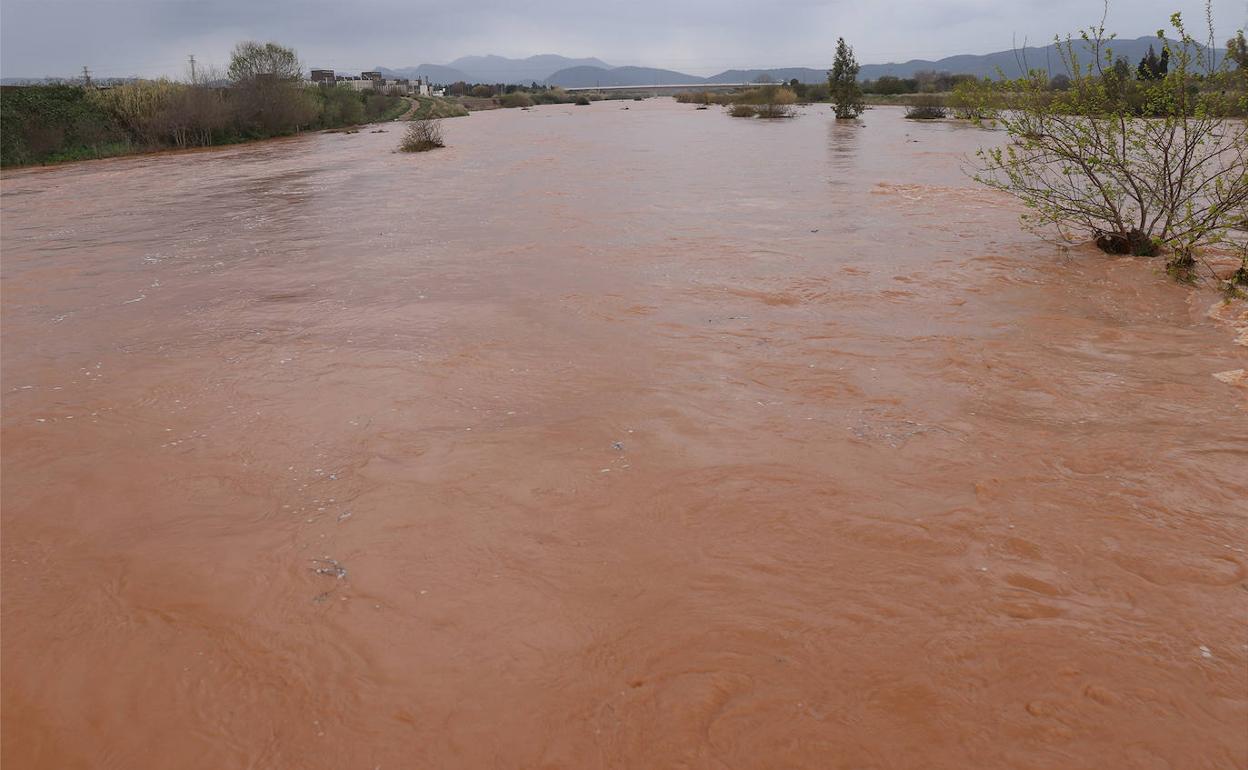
(1010, 62)
(434, 73)
(585, 77)
(785, 74)
(500, 69)
(589, 72)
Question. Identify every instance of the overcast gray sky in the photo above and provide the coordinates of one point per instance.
(153, 37)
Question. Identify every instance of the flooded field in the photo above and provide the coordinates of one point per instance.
(607, 438)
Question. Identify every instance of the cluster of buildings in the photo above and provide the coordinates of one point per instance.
(373, 81)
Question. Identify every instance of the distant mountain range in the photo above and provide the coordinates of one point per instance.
(584, 73)
(557, 70)
(495, 69)
(1012, 63)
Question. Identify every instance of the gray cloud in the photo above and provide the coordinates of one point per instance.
(154, 37)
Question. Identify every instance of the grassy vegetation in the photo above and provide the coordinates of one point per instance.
(51, 124)
(764, 101)
(393, 110)
(516, 99)
(437, 107)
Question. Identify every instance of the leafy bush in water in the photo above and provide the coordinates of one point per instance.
(776, 102)
(742, 111)
(768, 101)
(1087, 165)
(422, 136)
(582, 101)
(926, 107)
(973, 99)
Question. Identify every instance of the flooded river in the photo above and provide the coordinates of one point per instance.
(607, 438)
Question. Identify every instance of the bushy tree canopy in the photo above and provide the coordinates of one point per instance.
(251, 60)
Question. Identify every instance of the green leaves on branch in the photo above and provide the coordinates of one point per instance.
(1139, 165)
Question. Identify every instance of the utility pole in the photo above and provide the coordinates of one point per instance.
(192, 69)
(86, 77)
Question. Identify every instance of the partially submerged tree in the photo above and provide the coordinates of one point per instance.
(974, 99)
(843, 86)
(926, 107)
(777, 102)
(422, 135)
(769, 101)
(1088, 165)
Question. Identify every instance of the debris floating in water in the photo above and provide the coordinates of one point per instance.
(332, 567)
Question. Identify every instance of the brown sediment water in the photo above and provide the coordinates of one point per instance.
(607, 439)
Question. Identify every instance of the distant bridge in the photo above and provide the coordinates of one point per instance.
(668, 87)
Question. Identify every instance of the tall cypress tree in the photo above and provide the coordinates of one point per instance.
(1150, 66)
(843, 83)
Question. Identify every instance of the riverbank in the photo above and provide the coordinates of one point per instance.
(59, 123)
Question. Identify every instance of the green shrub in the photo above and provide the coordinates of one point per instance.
(926, 107)
(340, 106)
(815, 93)
(554, 95)
(379, 108)
(972, 99)
(438, 107)
(742, 111)
(517, 99)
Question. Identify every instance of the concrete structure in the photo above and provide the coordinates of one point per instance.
(374, 81)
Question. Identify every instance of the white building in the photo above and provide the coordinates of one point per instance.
(374, 81)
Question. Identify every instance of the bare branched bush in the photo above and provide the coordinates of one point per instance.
(1166, 170)
(422, 136)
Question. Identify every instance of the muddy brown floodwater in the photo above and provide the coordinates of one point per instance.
(607, 439)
